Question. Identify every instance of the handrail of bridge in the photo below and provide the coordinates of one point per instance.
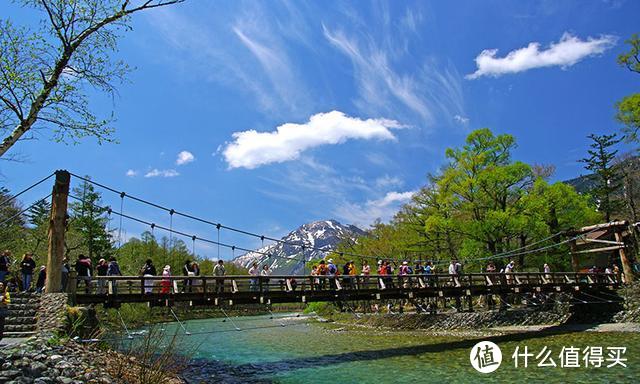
(113, 286)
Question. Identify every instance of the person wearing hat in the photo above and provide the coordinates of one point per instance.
(42, 277)
(403, 272)
(148, 270)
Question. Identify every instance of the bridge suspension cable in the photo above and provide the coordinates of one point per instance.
(13, 197)
(499, 256)
(24, 210)
(219, 226)
(222, 226)
(176, 232)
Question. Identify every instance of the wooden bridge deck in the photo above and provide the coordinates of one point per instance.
(230, 290)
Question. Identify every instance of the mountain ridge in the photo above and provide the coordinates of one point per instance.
(286, 257)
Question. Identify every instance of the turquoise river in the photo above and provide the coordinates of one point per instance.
(296, 350)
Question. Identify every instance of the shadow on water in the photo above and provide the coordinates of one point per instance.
(256, 372)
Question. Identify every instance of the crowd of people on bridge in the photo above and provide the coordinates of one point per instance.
(325, 274)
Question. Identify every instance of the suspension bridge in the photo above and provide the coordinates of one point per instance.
(229, 290)
(233, 290)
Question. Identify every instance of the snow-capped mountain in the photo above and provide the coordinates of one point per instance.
(287, 258)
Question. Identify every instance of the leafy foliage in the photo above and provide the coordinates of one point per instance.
(482, 203)
(628, 109)
(629, 115)
(631, 59)
(45, 74)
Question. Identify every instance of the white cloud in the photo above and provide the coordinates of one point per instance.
(365, 214)
(185, 157)
(251, 149)
(162, 173)
(387, 181)
(132, 173)
(461, 119)
(565, 53)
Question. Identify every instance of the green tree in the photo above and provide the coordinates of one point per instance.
(628, 109)
(555, 208)
(38, 218)
(45, 74)
(631, 59)
(483, 203)
(608, 181)
(484, 187)
(89, 220)
(12, 229)
(629, 115)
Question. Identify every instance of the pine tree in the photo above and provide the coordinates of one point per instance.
(38, 217)
(608, 181)
(88, 218)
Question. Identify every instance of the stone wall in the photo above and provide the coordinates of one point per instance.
(631, 295)
(465, 320)
(52, 312)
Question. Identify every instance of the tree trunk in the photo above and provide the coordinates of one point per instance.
(626, 264)
(57, 228)
(523, 243)
(575, 263)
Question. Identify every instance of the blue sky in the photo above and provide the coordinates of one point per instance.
(267, 115)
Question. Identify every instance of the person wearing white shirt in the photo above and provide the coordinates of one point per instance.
(265, 273)
(255, 272)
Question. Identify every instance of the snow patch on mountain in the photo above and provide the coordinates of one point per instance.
(287, 258)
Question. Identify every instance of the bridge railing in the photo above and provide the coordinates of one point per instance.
(174, 285)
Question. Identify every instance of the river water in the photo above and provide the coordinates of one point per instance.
(296, 350)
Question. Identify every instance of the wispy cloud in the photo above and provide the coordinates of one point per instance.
(247, 52)
(387, 181)
(162, 173)
(565, 53)
(382, 88)
(132, 173)
(461, 119)
(383, 208)
(251, 149)
(185, 157)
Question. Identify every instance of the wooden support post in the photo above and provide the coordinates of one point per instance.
(72, 287)
(575, 263)
(626, 265)
(57, 228)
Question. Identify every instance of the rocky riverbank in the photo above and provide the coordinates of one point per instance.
(36, 361)
(486, 319)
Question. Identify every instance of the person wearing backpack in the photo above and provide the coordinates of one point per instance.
(113, 269)
(332, 271)
(389, 273)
